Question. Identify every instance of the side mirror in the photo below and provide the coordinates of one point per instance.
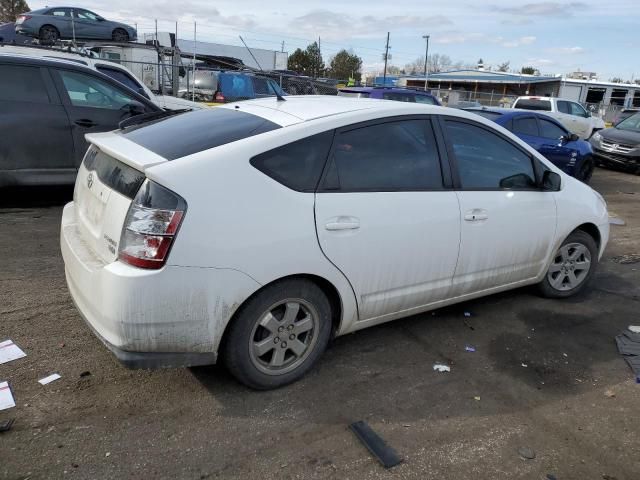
(551, 181)
(136, 108)
(572, 137)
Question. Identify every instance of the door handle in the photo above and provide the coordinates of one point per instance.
(475, 215)
(343, 223)
(84, 122)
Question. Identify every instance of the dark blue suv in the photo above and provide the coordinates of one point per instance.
(390, 93)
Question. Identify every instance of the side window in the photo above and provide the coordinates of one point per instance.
(22, 84)
(88, 91)
(550, 130)
(400, 155)
(576, 109)
(260, 86)
(399, 97)
(425, 99)
(487, 161)
(563, 107)
(297, 165)
(122, 77)
(85, 15)
(526, 126)
(60, 12)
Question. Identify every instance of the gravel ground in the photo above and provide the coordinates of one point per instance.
(575, 404)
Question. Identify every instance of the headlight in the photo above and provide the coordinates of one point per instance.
(597, 137)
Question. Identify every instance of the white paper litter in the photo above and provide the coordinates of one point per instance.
(634, 328)
(6, 397)
(49, 379)
(439, 367)
(10, 351)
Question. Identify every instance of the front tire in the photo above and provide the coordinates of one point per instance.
(278, 335)
(586, 170)
(572, 267)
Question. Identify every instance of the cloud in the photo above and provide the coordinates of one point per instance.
(455, 37)
(540, 8)
(333, 25)
(519, 42)
(566, 50)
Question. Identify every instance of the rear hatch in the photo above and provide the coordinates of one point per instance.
(105, 187)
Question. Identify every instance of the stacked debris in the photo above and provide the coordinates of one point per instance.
(629, 346)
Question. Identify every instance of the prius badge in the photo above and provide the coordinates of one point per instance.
(90, 180)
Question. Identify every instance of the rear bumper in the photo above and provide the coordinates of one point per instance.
(170, 317)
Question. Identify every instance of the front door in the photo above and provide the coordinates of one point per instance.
(556, 148)
(35, 136)
(508, 223)
(93, 105)
(384, 218)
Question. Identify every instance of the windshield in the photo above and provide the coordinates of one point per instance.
(533, 104)
(632, 123)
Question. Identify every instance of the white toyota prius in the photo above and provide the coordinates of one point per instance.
(257, 231)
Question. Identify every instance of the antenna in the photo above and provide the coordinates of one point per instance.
(251, 53)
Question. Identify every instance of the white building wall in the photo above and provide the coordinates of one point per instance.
(267, 59)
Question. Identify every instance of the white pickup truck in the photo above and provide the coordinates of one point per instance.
(569, 113)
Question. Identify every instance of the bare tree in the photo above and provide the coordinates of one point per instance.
(10, 9)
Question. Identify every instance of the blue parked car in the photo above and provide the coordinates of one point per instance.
(390, 93)
(564, 149)
(51, 24)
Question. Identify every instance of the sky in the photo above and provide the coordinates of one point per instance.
(553, 36)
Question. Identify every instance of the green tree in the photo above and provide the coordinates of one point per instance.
(345, 64)
(10, 9)
(299, 62)
(616, 80)
(315, 58)
(528, 70)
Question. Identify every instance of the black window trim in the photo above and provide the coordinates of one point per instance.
(537, 166)
(551, 120)
(445, 168)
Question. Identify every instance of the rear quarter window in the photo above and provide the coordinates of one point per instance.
(297, 165)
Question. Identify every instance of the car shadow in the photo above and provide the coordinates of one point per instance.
(35, 197)
(528, 351)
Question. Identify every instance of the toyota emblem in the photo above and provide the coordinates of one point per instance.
(90, 180)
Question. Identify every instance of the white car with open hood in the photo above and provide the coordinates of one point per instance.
(257, 231)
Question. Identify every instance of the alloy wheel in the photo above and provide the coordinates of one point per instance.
(283, 337)
(570, 267)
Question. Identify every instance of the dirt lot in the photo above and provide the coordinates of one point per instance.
(198, 423)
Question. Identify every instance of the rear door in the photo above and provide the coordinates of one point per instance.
(94, 104)
(61, 19)
(35, 134)
(385, 218)
(508, 222)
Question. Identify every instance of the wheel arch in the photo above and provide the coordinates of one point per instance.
(592, 230)
(329, 289)
(50, 26)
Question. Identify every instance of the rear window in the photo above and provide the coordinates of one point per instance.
(197, 131)
(486, 114)
(533, 104)
(342, 93)
(297, 165)
(113, 173)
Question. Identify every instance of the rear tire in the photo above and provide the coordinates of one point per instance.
(586, 170)
(48, 35)
(278, 334)
(120, 35)
(572, 267)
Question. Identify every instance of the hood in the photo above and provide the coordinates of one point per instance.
(626, 137)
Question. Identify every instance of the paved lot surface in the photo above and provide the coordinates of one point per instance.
(198, 423)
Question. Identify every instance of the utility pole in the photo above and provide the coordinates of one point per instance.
(426, 60)
(282, 48)
(319, 58)
(386, 56)
(195, 37)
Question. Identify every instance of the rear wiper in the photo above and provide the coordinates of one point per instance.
(149, 117)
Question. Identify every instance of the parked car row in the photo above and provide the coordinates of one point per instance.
(174, 257)
(619, 146)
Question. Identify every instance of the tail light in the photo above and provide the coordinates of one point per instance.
(218, 98)
(151, 225)
(23, 18)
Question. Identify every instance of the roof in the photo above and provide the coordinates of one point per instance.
(39, 59)
(303, 108)
(484, 76)
(387, 88)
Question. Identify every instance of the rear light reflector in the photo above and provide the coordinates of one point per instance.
(150, 227)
